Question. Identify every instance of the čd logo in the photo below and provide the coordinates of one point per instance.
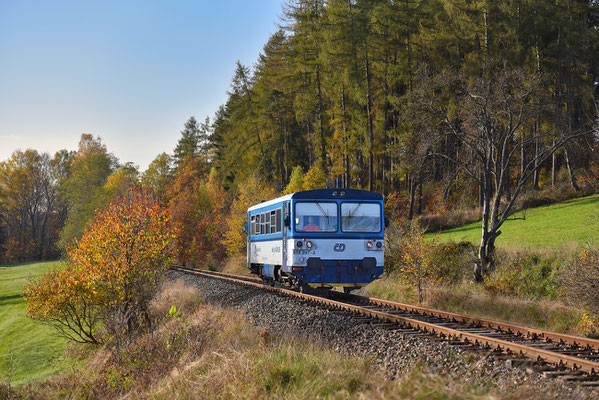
(339, 247)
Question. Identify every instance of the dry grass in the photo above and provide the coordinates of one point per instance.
(236, 265)
(184, 297)
(448, 220)
(466, 298)
(210, 353)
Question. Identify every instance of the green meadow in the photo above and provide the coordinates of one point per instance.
(35, 348)
(564, 225)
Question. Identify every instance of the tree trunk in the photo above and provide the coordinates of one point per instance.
(487, 243)
(412, 199)
(570, 170)
(553, 167)
(281, 151)
(536, 148)
(345, 151)
(486, 257)
(419, 198)
(323, 158)
(370, 122)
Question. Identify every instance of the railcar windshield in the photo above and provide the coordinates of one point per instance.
(361, 217)
(316, 217)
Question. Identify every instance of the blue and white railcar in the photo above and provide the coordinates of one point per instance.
(318, 238)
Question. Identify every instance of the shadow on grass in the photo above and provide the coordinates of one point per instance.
(14, 299)
(7, 266)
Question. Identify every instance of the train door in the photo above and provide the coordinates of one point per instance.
(249, 232)
(284, 232)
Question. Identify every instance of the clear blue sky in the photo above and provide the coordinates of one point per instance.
(131, 72)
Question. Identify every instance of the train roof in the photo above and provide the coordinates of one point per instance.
(323, 194)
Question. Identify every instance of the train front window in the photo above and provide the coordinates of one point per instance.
(360, 217)
(316, 217)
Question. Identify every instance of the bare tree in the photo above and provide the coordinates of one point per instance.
(488, 117)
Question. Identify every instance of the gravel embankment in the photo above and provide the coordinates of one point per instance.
(394, 352)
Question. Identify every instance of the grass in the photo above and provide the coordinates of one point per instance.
(566, 224)
(213, 353)
(469, 299)
(37, 348)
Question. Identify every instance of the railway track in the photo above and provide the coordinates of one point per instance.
(572, 358)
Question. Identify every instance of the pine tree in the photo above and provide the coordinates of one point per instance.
(188, 145)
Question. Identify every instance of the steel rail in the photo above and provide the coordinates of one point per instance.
(561, 360)
(531, 333)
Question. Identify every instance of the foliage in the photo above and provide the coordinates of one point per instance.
(31, 211)
(453, 261)
(315, 179)
(409, 255)
(193, 141)
(581, 286)
(197, 208)
(120, 181)
(250, 192)
(112, 272)
(525, 275)
(84, 188)
(335, 86)
(159, 175)
(296, 181)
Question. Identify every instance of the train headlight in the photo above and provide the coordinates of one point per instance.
(309, 244)
(299, 243)
(379, 245)
(369, 244)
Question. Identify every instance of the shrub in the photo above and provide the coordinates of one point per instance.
(198, 208)
(409, 256)
(525, 275)
(581, 281)
(449, 219)
(454, 260)
(112, 272)
(315, 178)
(296, 181)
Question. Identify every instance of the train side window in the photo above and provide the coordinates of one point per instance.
(266, 223)
(278, 219)
(253, 225)
(273, 223)
(257, 224)
(262, 224)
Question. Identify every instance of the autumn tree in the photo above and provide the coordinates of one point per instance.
(30, 206)
(409, 256)
(250, 192)
(159, 175)
(315, 178)
(296, 181)
(197, 208)
(84, 188)
(189, 143)
(111, 273)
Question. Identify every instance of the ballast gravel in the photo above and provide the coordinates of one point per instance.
(394, 351)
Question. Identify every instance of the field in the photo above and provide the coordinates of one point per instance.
(557, 226)
(37, 348)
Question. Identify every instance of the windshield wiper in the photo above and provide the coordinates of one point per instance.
(326, 215)
(355, 210)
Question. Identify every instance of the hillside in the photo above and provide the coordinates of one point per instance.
(555, 226)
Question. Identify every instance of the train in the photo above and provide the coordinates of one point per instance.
(315, 240)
